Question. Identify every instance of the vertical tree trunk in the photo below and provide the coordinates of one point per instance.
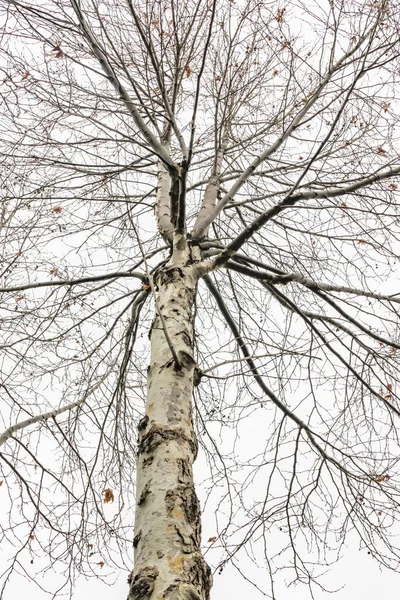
(168, 561)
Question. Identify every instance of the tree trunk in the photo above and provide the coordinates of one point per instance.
(168, 561)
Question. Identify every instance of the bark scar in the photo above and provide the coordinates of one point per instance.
(142, 584)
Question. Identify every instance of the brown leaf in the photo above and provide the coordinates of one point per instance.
(19, 298)
(25, 75)
(188, 71)
(146, 286)
(57, 209)
(154, 21)
(212, 539)
(393, 186)
(362, 242)
(54, 271)
(101, 564)
(57, 49)
(1, 482)
(389, 387)
(108, 496)
(31, 537)
(218, 78)
(381, 150)
(90, 546)
(275, 72)
(381, 478)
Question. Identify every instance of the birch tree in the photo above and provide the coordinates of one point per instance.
(200, 236)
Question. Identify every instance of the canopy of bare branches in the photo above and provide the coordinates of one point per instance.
(255, 142)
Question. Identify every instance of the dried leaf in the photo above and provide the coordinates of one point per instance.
(54, 271)
(381, 150)
(25, 75)
(275, 72)
(145, 286)
(381, 478)
(31, 537)
(19, 298)
(218, 78)
(1, 482)
(108, 496)
(57, 210)
(101, 564)
(393, 186)
(57, 49)
(212, 539)
(188, 71)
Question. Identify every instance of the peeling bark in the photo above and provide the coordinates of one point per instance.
(168, 561)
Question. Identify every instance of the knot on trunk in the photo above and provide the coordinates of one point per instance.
(142, 584)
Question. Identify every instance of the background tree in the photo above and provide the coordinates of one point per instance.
(221, 175)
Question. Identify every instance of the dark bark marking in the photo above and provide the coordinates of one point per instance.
(147, 461)
(185, 498)
(185, 470)
(142, 584)
(195, 581)
(143, 423)
(146, 491)
(157, 435)
(136, 540)
(197, 375)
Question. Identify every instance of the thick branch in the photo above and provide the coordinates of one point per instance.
(158, 148)
(290, 201)
(9, 432)
(202, 224)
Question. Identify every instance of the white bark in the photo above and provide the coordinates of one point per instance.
(168, 561)
(163, 212)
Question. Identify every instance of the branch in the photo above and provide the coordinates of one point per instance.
(202, 224)
(113, 79)
(163, 210)
(258, 378)
(313, 285)
(59, 282)
(53, 413)
(290, 201)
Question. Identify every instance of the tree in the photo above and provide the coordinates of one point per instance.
(265, 278)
